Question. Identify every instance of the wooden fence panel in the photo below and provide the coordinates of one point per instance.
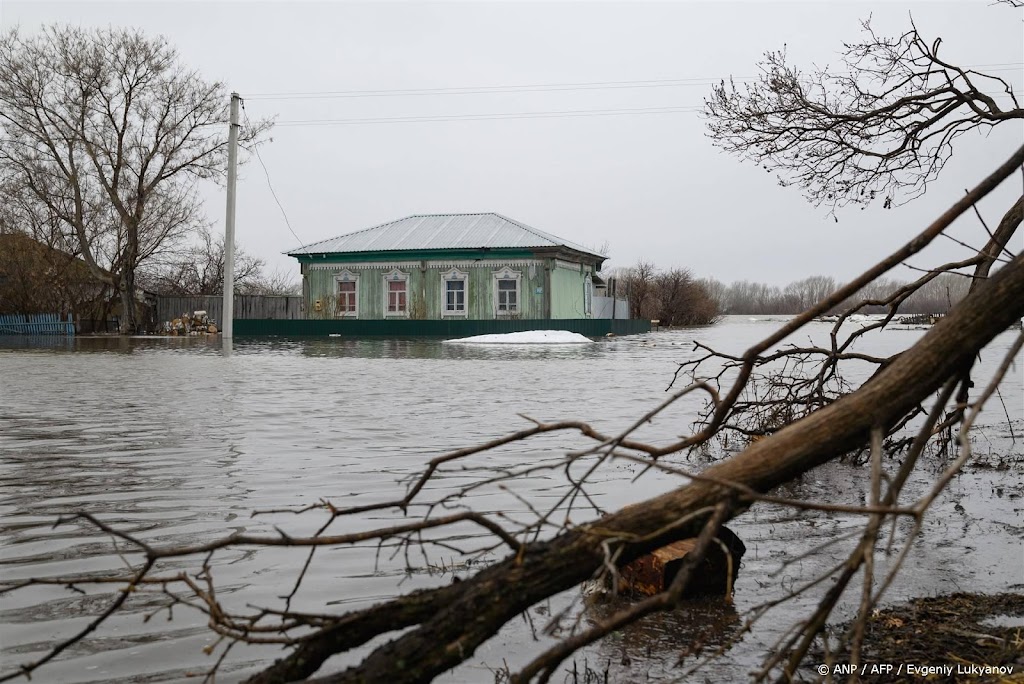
(272, 307)
(36, 324)
(169, 308)
(277, 307)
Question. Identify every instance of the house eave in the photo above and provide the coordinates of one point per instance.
(561, 252)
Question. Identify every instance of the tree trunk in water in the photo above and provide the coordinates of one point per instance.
(129, 315)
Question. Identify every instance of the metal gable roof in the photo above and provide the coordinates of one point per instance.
(442, 231)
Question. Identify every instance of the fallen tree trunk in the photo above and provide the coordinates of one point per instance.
(454, 620)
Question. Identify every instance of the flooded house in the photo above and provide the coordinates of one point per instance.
(449, 267)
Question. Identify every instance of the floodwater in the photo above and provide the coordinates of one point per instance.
(176, 443)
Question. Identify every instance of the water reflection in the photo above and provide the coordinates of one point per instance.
(110, 343)
(42, 342)
(419, 348)
(663, 644)
(318, 347)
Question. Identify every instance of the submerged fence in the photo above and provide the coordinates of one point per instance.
(403, 328)
(279, 307)
(36, 324)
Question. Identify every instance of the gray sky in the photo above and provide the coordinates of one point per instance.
(650, 185)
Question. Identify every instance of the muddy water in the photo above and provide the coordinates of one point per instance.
(175, 443)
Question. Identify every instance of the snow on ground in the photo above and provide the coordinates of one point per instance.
(526, 337)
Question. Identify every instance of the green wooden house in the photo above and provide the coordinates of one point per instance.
(448, 267)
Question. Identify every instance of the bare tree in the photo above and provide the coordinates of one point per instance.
(939, 295)
(683, 300)
(639, 282)
(880, 126)
(108, 132)
(199, 270)
(273, 282)
(747, 297)
(805, 293)
(673, 297)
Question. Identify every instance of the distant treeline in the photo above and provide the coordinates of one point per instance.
(675, 297)
(744, 297)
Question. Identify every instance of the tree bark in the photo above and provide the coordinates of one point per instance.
(126, 287)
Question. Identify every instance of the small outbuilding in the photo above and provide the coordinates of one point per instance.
(449, 266)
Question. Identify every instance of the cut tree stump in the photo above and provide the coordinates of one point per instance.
(653, 573)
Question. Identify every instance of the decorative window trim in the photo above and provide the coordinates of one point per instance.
(363, 265)
(577, 266)
(454, 275)
(507, 274)
(346, 276)
(392, 276)
(588, 297)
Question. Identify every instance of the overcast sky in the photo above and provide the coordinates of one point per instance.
(650, 185)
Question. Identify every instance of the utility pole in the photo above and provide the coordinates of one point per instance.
(227, 324)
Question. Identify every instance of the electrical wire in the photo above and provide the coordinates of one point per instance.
(270, 185)
(542, 87)
(563, 114)
(573, 113)
(477, 90)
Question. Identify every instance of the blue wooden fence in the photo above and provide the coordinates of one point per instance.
(36, 324)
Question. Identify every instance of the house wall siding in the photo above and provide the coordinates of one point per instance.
(567, 292)
(425, 289)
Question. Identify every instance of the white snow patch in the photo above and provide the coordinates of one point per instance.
(526, 337)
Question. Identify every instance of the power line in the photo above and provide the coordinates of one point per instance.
(537, 87)
(558, 114)
(269, 184)
(995, 64)
(477, 90)
(573, 113)
(543, 87)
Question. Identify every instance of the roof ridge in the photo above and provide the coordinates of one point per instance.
(454, 213)
(530, 229)
(550, 236)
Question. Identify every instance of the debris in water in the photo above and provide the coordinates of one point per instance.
(198, 323)
(716, 574)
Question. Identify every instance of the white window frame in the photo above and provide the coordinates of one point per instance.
(454, 275)
(508, 274)
(588, 296)
(393, 276)
(346, 276)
